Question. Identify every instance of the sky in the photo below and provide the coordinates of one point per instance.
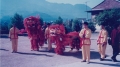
(90, 3)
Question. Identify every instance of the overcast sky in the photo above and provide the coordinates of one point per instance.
(91, 3)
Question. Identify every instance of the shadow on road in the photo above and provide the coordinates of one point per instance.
(4, 36)
(34, 54)
(108, 64)
(93, 55)
(74, 54)
(4, 50)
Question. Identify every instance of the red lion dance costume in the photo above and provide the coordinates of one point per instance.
(56, 34)
(33, 28)
(60, 32)
(75, 40)
(72, 39)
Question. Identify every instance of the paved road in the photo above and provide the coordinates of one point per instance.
(27, 58)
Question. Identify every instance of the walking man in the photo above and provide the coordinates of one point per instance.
(85, 35)
(102, 42)
(115, 37)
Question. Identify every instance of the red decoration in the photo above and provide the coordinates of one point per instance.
(33, 28)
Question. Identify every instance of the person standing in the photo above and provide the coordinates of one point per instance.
(102, 42)
(47, 36)
(13, 35)
(85, 35)
(115, 37)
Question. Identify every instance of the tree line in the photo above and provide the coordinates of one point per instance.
(70, 25)
(109, 17)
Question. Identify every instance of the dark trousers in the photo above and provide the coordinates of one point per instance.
(75, 46)
(115, 51)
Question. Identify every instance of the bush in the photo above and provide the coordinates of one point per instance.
(17, 20)
(110, 18)
(92, 26)
(59, 20)
(76, 25)
(4, 25)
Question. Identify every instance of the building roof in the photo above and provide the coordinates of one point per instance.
(107, 4)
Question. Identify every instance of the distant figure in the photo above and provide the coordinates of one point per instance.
(13, 34)
(47, 36)
(102, 42)
(85, 35)
(44, 26)
(115, 37)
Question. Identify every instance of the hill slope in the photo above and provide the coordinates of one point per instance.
(48, 11)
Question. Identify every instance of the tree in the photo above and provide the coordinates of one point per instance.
(92, 26)
(59, 20)
(76, 25)
(4, 24)
(68, 26)
(17, 20)
(41, 21)
(109, 18)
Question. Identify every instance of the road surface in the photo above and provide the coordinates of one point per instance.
(27, 58)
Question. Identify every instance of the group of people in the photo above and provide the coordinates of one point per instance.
(33, 29)
(102, 41)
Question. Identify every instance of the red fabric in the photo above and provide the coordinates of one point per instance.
(14, 33)
(62, 28)
(67, 39)
(73, 34)
(113, 35)
(99, 40)
(52, 38)
(53, 26)
(31, 25)
(59, 35)
(82, 39)
(72, 39)
(59, 45)
(34, 44)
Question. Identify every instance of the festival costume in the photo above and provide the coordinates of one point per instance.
(50, 35)
(31, 25)
(13, 34)
(85, 35)
(60, 35)
(102, 42)
(41, 36)
(62, 28)
(75, 40)
(115, 37)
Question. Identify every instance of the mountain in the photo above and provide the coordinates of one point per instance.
(48, 11)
